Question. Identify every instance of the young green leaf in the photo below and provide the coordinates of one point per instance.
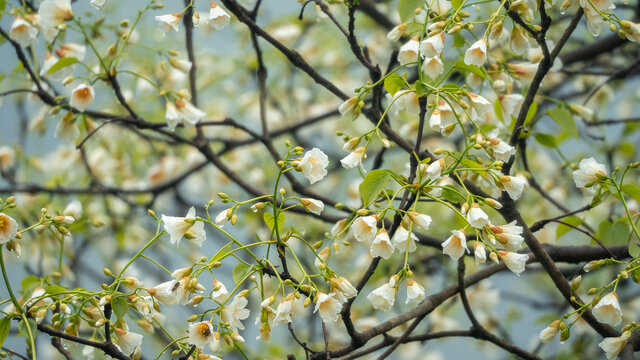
(373, 184)
(62, 63)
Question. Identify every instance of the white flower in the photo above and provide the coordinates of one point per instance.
(214, 345)
(595, 22)
(509, 235)
(23, 32)
(381, 245)
(177, 227)
(312, 205)
(455, 245)
(53, 13)
(218, 18)
(421, 220)
(328, 306)
(613, 345)
(432, 46)
(501, 150)
(432, 67)
(442, 116)
(396, 32)
(406, 100)
(342, 289)
(415, 291)
(234, 312)
(188, 112)
(220, 293)
(548, 333)
(524, 70)
(477, 53)
(223, 216)
(314, 165)
(607, 310)
(82, 97)
(73, 209)
(7, 157)
(434, 170)
(588, 172)
(513, 185)
(283, 312)
(354, 158)
(384, 297)
(477, 217)
(514, 261)
(479, 252)
(400, 238)
(518, 41)
(67, 128)
(351, 107)
(180, 64)
(168, 22)
(171, 292)
(72, 50)
(479, 103)
(8, 228)
(200, 333)
(409, 51)
(510, 104)
(128, 341)
(172, 116)
(364, 228)
(98, 4)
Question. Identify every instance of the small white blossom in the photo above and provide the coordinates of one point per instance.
(548, 333)
(415, 291)
(354, 159)
(400, 238)
(364, 228)
(314, 165)
(381, 245)
(455, 245)
(312, 205)
(200, 333)
(234, 312)
(477, 217)
(432, 46)
(384, 297)
(23, 32)
(607, 310)
(477, 53)
(168, 22)
(479, 252)
(8, 228)
(218, 18)
(409, 51)
(82, 97)
(342, 289)
(179, 227)
(613, 345)
(328, 306)
(128, 341)
(588, 172)
(514, 261)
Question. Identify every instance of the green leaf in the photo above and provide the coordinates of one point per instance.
(422, 89)
(119, 305)
(497, 107)
(2, 5)
(616, 233)
(631, 190)
(373, 184)
(221, 253)
(533, 109)
(240, 271)
(62, 63)
(564, 118)
(449, 193)
(24, 331)
(393, 83)
(563, 229)
(407, 8)
(29, 283)
(55, 289)
(456, 4)
(5, 327)
(634, 250)
(460, 65)
(546, 140)
(458, 41)
(268, 219)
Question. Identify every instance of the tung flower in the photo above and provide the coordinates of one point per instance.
(479, 252)
(8, 228)
(514, 261)
(200, 333)
(82, 97)
(351, 108)
(455, 245)
(415, 291)
(613, 345)
(23, 32)
(354, 159)
(409, 51)
(328, 306)
(381, 245)
(400, 239)
(513, 185)
(477, 53)
(432, 46)
(477, 217)
(383, 297)
(234, 312)
(314, 165)
(128, 341)
(178, 227)
(607, 310)
(168, 22)
(588, 172)
(432, 67)
(364, 228)
(342, 289)
(312, 205)
(52, 13)
(509, 235)
(218, 18)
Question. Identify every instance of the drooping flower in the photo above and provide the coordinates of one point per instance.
(510, 104)
(8, 228)
(588, 172)
(172, 292)
(128, 341)
(328, 306)
(283, 312)
(432, 67)
(178, 227)
(592, 10)
(415, 291)
(384, 297)
(223, 216)
(67, 128)
(518, 41)
(234, 312)
(220, 293)
(513, 185)
(509, 235)
(477, 217)
(397, 32)
(607, 310)
(501, 149)
(421, 220)
(312, 205)
(7, 157)
(432, 46)
(188, 112)
(477, 53)
(409, 51)
(479, 104)
(613, 345)
(23, 32)
(548, 333)
(351, 107)
(479, 252)
(72, 50)
(342, 289)
(381, 245)
(73, 209)
(200, 333)
(364, 228)
(314, 165)
(455, 245)
(52, 13)
(514, 261)
(181, 64)
(218, 18)
(168, 22)
(354, 158)
(400, 238)
(82, 97)
(442, 116)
